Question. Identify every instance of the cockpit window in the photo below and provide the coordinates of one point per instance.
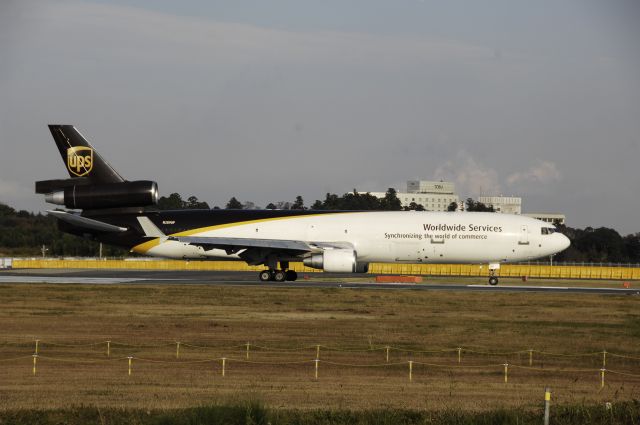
(547, 230)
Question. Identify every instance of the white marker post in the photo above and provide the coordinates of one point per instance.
(547, 402)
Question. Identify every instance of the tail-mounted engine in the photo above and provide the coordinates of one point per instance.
(93, 183)
(140, 193)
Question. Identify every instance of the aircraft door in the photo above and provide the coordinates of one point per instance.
(524, 235)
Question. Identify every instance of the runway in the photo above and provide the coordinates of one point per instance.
(325, 280)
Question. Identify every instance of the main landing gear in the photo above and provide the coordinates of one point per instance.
(273, 274)
(277, 275)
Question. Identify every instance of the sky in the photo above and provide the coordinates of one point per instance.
(265, 100)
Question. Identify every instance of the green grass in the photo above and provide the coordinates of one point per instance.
(633, 325)
(255, 413)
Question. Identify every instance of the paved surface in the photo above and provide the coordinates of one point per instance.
(109, 277)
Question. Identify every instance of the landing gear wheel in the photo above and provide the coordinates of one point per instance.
(291, 275)
(493, 281)
(265, 275)
(279, 276)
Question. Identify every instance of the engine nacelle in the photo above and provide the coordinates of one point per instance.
(336, 261)
(140, 193)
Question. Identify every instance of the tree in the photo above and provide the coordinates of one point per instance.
(390, 202)
(352, 201)
(270, 206)
(283, 205)
(24, 233)
(194, 204)
(331, 202)
(600, 245)
(632, 247)
(453, 206)
(478, 206)
(359, 201)
(298, 204)
(173, 202)
(414, 207)
(249, 206)
(233, 204)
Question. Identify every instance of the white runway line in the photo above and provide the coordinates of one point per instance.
(57, 279)
(555, 288)
(525, 287)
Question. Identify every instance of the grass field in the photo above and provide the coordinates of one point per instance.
(225, 318)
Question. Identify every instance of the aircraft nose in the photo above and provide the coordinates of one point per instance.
(564, 242)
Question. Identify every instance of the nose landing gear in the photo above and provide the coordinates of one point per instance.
(493, 273)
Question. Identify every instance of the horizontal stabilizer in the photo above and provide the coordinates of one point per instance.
(84, 222)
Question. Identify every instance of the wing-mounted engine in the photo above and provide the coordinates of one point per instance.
(336, 261)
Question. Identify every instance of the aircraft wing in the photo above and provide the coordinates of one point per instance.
(235, 244)
(243, 243)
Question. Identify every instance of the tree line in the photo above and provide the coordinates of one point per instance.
(23, 233)
(351, 201)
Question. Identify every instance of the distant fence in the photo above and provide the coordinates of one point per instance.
(506, 270)
(403, 361)
(577, 263)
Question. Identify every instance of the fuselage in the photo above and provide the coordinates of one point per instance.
(403, 236)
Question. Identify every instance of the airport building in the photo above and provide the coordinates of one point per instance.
(432, 195)
(503, 204)
(548, 217)
(513, 205)
(438, 195)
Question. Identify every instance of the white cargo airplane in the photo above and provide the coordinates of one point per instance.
(334, 241)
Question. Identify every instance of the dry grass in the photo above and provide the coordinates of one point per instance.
(289, 318)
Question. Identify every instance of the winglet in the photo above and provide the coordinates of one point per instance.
(150, 229)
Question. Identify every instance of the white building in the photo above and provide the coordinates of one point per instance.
(548, 217)
(503, 204)
(432, 195)
(513, 205)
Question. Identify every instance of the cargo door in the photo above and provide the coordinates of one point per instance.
(409, 251)
(437, 243)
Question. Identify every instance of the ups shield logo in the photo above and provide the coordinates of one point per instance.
(80, 160)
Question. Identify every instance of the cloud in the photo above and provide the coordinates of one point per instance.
(147, 37)
(542, 172)
(474, 178)
(470, 176)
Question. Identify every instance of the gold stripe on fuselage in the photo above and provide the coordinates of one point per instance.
(144, 247)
